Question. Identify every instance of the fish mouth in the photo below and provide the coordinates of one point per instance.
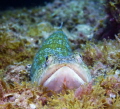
(64, 76)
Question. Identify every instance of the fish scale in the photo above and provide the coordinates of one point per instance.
(57, 44)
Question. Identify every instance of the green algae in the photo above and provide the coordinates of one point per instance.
(12, 50)
(103, 95)
(106, 52)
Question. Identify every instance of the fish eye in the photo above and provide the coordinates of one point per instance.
(49, 59)
(78, 57)
(46, 58)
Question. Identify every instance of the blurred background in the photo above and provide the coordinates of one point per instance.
(6, 4)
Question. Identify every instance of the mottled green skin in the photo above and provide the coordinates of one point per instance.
(57, 44)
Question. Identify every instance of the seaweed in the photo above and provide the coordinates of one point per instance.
(12, 50)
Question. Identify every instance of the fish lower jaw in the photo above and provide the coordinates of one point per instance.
(64, 77)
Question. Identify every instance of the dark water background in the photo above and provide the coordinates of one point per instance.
(6, 4)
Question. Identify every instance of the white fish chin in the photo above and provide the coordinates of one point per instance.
(65, 76)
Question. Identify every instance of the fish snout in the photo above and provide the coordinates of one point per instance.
(65, 77)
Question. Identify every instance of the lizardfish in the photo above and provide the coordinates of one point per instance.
(55, 65)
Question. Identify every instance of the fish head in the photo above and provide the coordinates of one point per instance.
(59, 72)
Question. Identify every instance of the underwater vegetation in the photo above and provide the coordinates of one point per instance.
(103, 95)
(104, 92)
(110, 25)
(12, 50)
(22, 32)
